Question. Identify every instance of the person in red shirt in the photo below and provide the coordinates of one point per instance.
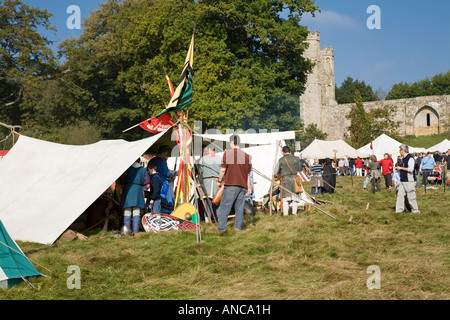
(235, 172)
(359, 166)
(387, 165)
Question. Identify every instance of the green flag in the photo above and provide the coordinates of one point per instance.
(183, 93)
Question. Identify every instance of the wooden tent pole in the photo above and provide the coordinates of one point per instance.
(273, 174)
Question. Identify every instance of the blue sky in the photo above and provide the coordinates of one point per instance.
(413, 42)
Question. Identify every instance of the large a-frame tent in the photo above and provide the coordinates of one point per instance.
(385, 144)
(45, 186)
(14, 265)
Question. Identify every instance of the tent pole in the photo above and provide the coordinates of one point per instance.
(273, 173)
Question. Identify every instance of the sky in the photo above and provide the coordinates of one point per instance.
(413, 41)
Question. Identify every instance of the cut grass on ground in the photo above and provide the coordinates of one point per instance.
(309, 256)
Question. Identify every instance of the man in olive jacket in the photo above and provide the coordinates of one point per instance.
(288, 167)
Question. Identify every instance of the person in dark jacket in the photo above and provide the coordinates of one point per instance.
(154, 194)
(329, 176)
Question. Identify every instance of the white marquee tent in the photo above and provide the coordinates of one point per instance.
(441, 147)
(320, 149)
(252, 138)
(385, 144)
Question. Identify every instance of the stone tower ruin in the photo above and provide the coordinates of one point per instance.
(320, 85)
(417, 116)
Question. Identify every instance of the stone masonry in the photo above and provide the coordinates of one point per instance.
(417, 116)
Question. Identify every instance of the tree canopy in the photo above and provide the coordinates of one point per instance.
(26, 59)
(436, 85)
(346, 92)
(366, 126)
(248, 64)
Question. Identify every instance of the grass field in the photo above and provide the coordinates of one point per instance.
(309, 256)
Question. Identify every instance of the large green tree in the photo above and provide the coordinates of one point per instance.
(26, 60)
(248, 64)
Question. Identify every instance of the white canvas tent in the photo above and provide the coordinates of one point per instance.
(385, 144)
(263, 138)
(45, 186)
(441, 147)
(264, 156)
(320, 149)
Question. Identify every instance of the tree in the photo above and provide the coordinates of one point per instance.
(359, 123)
(381, 121)
(437, 85)
(366, 126)
(26, 60)
(248, 64)
(310, 133)
(346, 92)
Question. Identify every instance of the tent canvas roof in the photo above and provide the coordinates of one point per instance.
(253, 138)
(385, 144)
(45, 186)
(441, 147)
(320, 149)
(13, 263)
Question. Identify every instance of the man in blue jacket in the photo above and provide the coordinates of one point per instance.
(427, 166)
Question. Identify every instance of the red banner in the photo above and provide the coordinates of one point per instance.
(157, 125)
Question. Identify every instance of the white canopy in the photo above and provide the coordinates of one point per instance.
(385, 144)
(320, 149)
(45, 186)
(263, 160)
(253, 138)
(441, 147)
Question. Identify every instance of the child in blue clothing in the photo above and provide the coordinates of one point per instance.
(154, 194)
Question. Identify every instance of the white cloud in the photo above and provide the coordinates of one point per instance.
(329, 18)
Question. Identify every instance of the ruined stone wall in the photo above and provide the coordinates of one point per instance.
(418, 116)
(412, 113)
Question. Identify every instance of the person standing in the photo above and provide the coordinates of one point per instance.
(154, 194)
(329, 176)
(209, 169)
(316, 177)
(447, 163)
(287, 168)
(359, 166)
(161, 163)
(132, 201)
(387, 165)
(375, 175)
(341, 165)
(407, 186)
(235, 173)
(426, 166)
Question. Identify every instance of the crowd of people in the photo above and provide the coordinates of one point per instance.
(150, 188)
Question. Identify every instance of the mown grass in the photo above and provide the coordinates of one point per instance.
(309, 256)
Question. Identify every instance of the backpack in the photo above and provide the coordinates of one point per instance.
(165, 191)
